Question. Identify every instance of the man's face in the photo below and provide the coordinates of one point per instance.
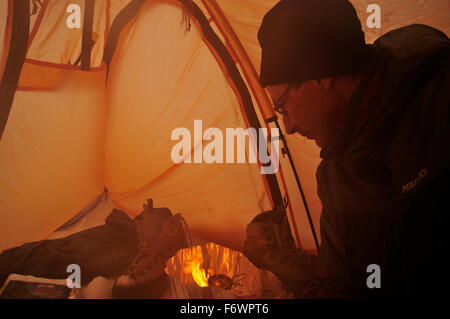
(308, 110)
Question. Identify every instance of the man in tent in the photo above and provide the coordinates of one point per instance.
(380, 114)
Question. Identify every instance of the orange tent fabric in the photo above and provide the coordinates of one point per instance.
(72, 133)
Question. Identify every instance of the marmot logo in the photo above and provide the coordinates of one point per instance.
(413, 184)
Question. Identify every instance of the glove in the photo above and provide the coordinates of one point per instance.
(267, 232)
(269, 245)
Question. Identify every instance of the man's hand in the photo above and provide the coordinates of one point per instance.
(269, 245)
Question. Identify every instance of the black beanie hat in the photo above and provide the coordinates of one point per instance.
(310, 39)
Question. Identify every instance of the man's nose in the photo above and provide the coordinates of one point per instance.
(290, 127)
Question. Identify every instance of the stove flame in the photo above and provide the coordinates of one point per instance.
(199, 275)
(193, 261)
(198, 263)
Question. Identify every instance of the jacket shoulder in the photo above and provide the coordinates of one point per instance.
(411, 48)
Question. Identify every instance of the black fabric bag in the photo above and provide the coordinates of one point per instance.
(99, 251)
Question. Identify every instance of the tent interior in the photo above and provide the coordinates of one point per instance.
(88, 114)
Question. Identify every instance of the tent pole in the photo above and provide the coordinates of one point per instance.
(259, 93)
(285, 150)
(18, 47)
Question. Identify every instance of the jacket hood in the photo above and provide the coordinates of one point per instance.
(411, 49)
(404, 62)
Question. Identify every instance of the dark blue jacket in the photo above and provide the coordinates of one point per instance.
(384, 180)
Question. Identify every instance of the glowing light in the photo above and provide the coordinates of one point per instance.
(199, 275)
(191, 262)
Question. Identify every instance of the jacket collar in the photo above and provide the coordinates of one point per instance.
(349, 120)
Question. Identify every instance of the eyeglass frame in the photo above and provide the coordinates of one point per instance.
(279, 104)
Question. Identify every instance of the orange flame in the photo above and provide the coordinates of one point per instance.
(192, 265)
(199, 275)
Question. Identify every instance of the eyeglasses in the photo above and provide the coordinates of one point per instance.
(279, 104)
